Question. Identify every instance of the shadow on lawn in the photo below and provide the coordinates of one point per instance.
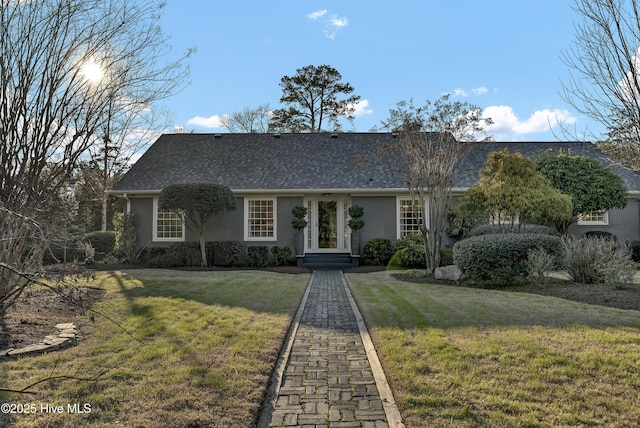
(254, 290)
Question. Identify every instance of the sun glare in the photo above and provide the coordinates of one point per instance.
(92, 72)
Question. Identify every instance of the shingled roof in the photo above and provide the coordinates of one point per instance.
(306, 161)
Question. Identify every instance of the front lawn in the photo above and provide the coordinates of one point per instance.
(465, 357)
(180, 349)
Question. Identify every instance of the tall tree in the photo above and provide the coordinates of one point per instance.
(312, 97)
(605, 59)
(591, 186)
(63, 65)
(427, 153)
(197, 203)
(249, 120)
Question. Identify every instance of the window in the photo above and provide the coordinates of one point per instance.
(260, 219)
(168, 225)
(594, 218)
(409, 216)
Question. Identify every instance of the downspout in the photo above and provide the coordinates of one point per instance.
(128, 210)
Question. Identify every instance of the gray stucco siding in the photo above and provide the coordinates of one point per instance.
(380, 217)
(624, 223)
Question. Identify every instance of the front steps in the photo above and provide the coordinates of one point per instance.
(325, 261)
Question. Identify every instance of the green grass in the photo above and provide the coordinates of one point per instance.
(188, 349)
(465, 357)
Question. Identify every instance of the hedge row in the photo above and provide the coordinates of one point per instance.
(219, 253)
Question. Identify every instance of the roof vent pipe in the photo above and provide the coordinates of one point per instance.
(334, 135)
(276, 135)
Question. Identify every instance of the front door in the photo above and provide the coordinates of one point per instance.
(328, 225)
(327, 230)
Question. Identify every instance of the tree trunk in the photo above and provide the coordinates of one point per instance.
(203, 251)
(105, 203)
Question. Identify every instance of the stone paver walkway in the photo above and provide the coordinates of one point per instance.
(328, 380)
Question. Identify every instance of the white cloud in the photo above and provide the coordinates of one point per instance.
(480, 91)
(338, 22)
(460, 92)
(507, 126)
(317, 14)
(332, 23)
(362, 108)
(206, 122)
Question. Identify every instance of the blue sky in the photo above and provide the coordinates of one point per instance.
(502, 55)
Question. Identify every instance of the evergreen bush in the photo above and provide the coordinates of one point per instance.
(258, 256)
(377, 252)
(501, 258)
(228, 253)
(492, 229)
(281, 255)
(408, 252)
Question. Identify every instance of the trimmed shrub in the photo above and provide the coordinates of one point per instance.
(493, 229)
(258, 256)
(228, 253)
(597, 260)
(377, 252)
(281, 255)
(501, 258)
(178, 255)
(102, 242)
(408, 252)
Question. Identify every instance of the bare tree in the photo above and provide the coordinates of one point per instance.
(605, 59)
(68, 71)
(427, 152)
(249, 120)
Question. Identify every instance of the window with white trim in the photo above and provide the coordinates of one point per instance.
(168, 225)
(409, 216)
(260, 219)
(594, 218)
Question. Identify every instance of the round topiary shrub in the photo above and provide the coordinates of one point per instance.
(377, 252)
(493, 229)
(501, 258)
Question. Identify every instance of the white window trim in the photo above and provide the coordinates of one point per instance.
(156, 209)
(399, 200)
(246, 218)
(594, 223)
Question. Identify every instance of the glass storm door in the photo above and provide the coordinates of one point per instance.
(328, 231)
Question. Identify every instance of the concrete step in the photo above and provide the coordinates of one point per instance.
(336, 261)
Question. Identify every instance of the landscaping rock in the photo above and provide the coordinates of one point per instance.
(66, 337)
(448, 273)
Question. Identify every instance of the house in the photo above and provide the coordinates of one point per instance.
(272, 173)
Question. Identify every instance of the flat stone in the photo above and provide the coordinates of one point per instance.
(56, 341)
(68, 335)
(65, 326)
(29, 349)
